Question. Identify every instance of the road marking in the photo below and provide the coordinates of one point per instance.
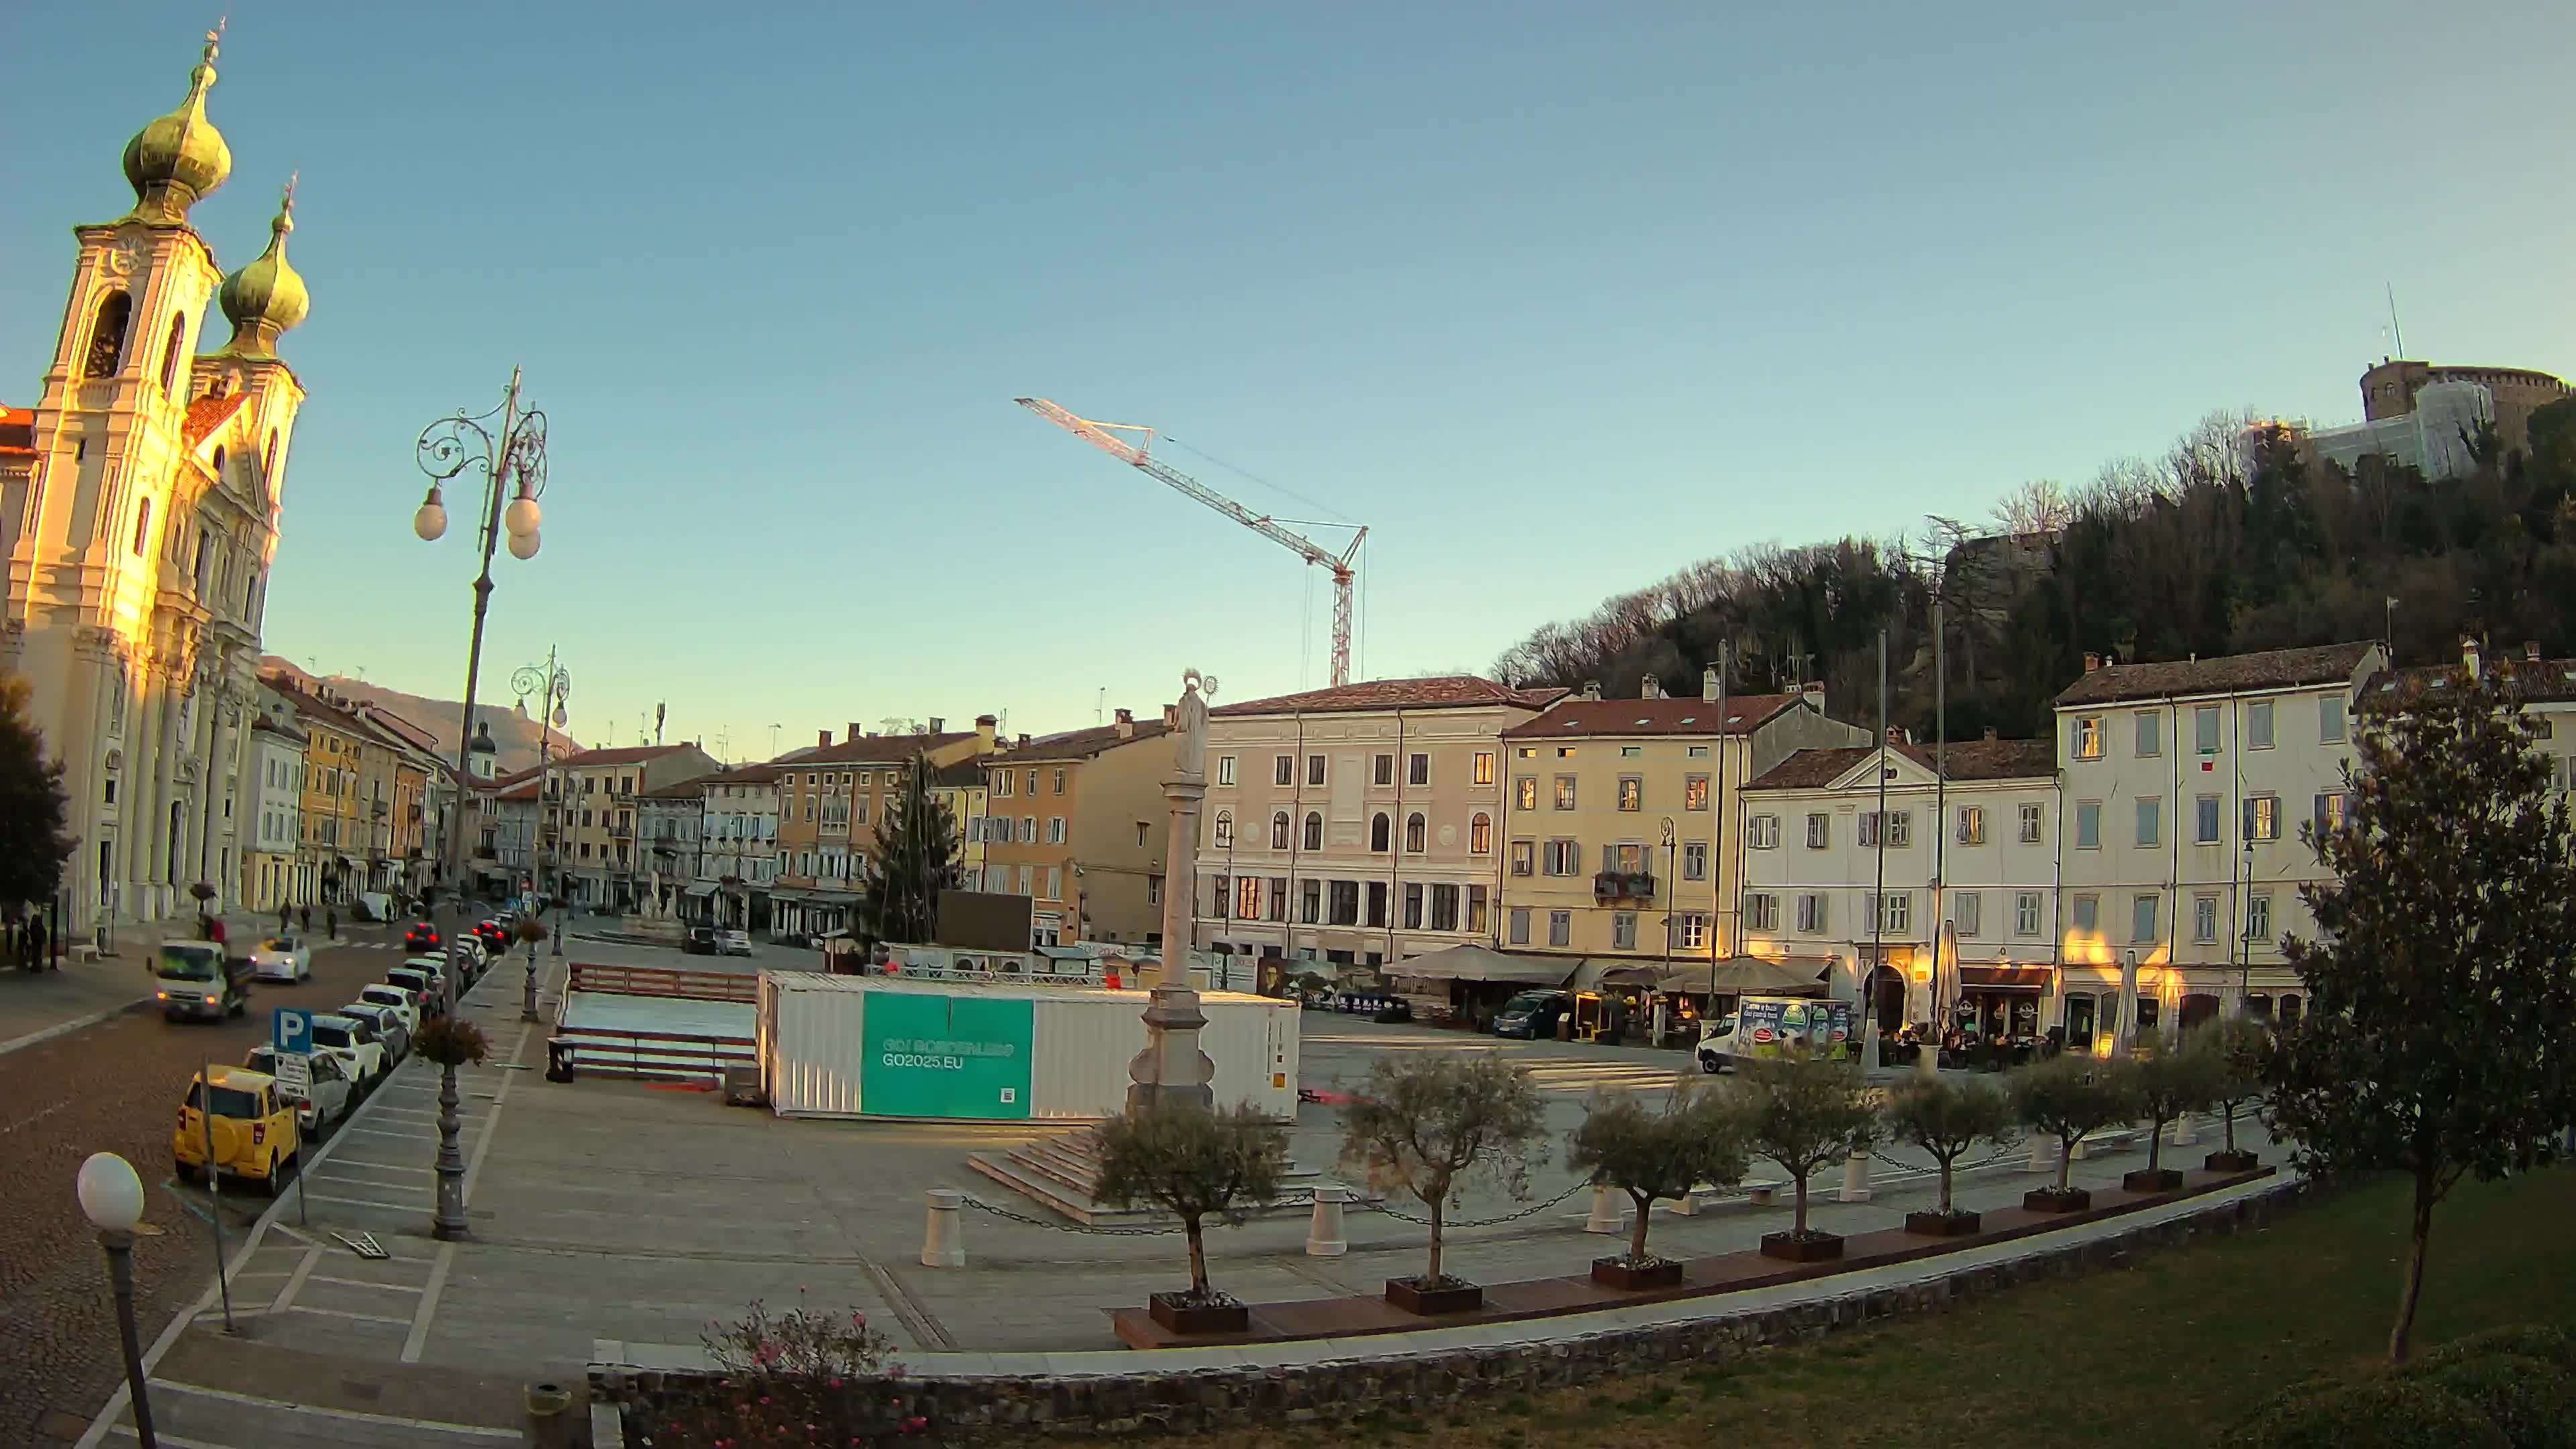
(295, 1280)
(173, 1440)
(380, 1132)
(32, 1121)
(365, 1283)
(343, 1313)
(418, 1338)
(399, 1207)
(387, 1167)
(346, 1416)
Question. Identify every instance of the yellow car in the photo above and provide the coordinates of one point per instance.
(251, 1132)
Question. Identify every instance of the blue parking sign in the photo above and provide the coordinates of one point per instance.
(290, 1030)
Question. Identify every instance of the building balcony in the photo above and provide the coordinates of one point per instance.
(1623, 885)
(621, 832)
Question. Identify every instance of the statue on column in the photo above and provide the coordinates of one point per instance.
(1171, 1069)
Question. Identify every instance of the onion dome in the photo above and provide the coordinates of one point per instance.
(173, 162)
(266, 298)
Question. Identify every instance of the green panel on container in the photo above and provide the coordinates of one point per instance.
(945, 1056)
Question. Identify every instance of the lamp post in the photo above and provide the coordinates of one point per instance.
(552, 684)
(513, 464)
(111, 1196)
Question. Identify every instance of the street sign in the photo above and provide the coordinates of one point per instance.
(295, 1074)
(290, 1030)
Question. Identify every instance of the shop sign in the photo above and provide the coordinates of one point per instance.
(940, 1056)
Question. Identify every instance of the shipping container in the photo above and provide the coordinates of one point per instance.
(872, 1046)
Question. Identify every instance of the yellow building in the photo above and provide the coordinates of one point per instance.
(960, 787)
(590, 805)
(1078, 826)
(1623, 818)
(831, 799)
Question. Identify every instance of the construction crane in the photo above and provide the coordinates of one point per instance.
(1107, 437)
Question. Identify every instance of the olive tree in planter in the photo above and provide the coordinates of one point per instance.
(2170, 1080)
(203, 891)
(1428, 1125)
(1193, 1164)
(451, 1041)
(2066, 1097)
(1650, 1154)
(2240, 1052)
(1949, 1119)
(1801, 1113)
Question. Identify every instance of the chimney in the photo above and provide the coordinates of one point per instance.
(2469, 653)
(1650, 688)
(1708, 684)
(1814, 691)
(1024, 742)
(1592, 689)
(1126, 724)
(2092, 661)
(938, 724)
(823, 739)
(1990, 734)
(2531, 651)
(985, 726)
(855, 731)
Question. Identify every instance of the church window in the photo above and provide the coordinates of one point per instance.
(142, 526)
(219, 462)
(170, 350)
(107, 336)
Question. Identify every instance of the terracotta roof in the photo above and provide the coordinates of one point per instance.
(1693, 716)
(1080, 744)
(1963, 759)
(2534, 681)
(623, 755)
(689, 789)
(263, 722)
(2227, 674)
(523, 790)
(746, 775)
(207, 414)
(1448, 691)
(17, 430)
(965, 774)
(873, 749)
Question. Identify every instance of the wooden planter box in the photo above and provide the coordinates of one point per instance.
(1461, 1298)
(2050, 1200)
(1813, 1248)
(2231, 1162)
(1168, 1310)
(2151, 1179)
(1958, 1224)
(1616, 1273)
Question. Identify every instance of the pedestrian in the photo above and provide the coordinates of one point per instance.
(331, 923)
(35, 943)
(307, 909)
(281, 918)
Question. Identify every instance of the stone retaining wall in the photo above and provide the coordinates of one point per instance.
(983, 1407)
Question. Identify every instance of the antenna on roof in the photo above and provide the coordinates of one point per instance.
(2395, 330)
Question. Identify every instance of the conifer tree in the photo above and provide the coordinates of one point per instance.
(33, 842)
(916, 857)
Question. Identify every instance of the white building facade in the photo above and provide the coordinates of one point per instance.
(1856, 858)
(1293, 860)
(275, 805)
(2184, 786)
(139, 507)
(737, 859)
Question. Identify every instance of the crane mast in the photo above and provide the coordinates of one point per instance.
(1111, 438)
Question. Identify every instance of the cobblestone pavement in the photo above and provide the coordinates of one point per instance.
(115, 1087)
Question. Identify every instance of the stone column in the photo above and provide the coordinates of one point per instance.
(1171, 1070)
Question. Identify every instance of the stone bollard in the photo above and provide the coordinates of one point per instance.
(1927, 1061)
(2043, 1152)
(1606, 1215)
(2182, 1134)
(1324, 1232)
(1855, 1178)
(549, 1416)
(943, 1241)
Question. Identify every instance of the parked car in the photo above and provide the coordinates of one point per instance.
(701, 941)
(354, 1043)
(395, 999)
(325, 1098)
(235, 1123)
(282, 958)
(734, 943)
(421, 937)
(427, 988)
(386, 1025)
(494, 934)
(1532, 1015)
(197, 978)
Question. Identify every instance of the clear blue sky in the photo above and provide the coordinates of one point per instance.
(1554, 298)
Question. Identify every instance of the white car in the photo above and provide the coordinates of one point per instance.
(386, 1027)
(318, 1106)
(349, 1040)
(733, 943)
(282, 958)
(393, 999)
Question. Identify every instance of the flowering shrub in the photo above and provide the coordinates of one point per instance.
(799, 1377)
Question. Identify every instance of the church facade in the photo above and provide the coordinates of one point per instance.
(139, 506)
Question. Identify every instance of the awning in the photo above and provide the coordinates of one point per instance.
(706, 889)
(1475, 963)
(1758, 976)
(2007, 978)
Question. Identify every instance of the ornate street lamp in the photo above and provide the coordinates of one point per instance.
(111, 1196)
(552, 683)
(513, 464)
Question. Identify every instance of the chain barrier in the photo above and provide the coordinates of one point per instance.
(1089, 1228)
(1445, 1224)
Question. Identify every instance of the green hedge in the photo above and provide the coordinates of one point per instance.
(2389, 1413)
(2523, 1340)
(2524, 1397)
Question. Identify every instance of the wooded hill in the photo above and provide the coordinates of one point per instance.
(2232, 541)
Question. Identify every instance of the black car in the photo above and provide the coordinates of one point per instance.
(1532, 1014)
(701, 941)
(422, 937)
